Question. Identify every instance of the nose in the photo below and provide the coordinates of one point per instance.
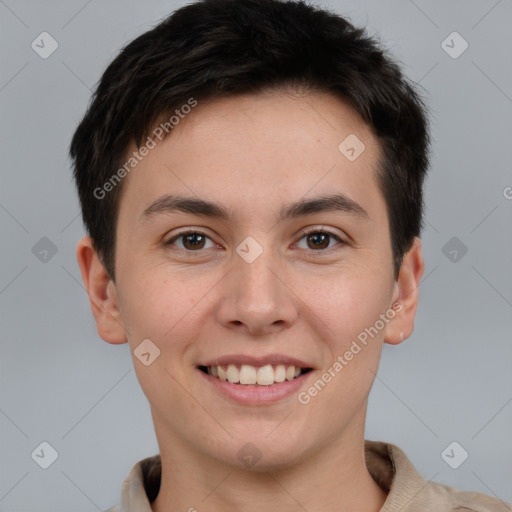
(258, 297)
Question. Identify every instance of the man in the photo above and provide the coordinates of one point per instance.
(250, 175)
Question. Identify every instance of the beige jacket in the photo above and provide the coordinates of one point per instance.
(388, 465)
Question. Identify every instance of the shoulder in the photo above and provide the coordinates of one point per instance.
(115, 508)
(409, 492)
(458, 500)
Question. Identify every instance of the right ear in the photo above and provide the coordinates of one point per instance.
(102, 293)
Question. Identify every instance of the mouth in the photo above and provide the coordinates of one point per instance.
(262, 375)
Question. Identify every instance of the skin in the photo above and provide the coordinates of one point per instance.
(255, 154)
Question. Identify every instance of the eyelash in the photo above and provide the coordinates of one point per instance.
(319, 252)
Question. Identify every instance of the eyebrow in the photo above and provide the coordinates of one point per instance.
(171, 204)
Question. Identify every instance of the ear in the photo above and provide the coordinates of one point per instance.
(102, 293)
(405, 297)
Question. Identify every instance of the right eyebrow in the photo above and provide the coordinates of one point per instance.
(171, 204)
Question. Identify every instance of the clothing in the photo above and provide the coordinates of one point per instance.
(387, 464)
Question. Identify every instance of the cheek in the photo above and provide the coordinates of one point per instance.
(164, 311)
(349, 317)
(348, 304)
(159, 307)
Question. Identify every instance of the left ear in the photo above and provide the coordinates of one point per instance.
(405, 298)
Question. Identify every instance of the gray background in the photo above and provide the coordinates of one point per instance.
(60, 383)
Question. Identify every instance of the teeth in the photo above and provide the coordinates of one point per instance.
(247, 374)
(233, 374)
(280, 373)
(222, 373)
(265, 375)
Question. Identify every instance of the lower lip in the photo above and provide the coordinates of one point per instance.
(253, 394)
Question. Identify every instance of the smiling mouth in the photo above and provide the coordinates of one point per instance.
(265, 375)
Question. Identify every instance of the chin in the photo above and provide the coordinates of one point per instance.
(260, 453)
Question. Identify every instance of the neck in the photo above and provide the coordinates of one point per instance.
(334, 478)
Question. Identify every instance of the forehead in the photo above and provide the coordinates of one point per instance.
(261, 151)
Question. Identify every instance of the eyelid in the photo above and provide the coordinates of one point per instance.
(321, 229)
(189, 231)
(311, 230)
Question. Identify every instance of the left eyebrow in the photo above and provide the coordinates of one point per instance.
(196, 206)
(335, 202)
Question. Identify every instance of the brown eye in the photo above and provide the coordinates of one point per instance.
(320, 240)
(193, 241)
(190, 240)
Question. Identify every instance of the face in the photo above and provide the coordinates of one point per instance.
(281, 256)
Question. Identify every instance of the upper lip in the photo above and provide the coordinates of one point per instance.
(239, 359)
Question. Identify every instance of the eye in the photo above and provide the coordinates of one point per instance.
(319, 239)
(192, 240)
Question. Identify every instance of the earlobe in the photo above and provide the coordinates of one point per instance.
(406, 295)
(102, 293)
